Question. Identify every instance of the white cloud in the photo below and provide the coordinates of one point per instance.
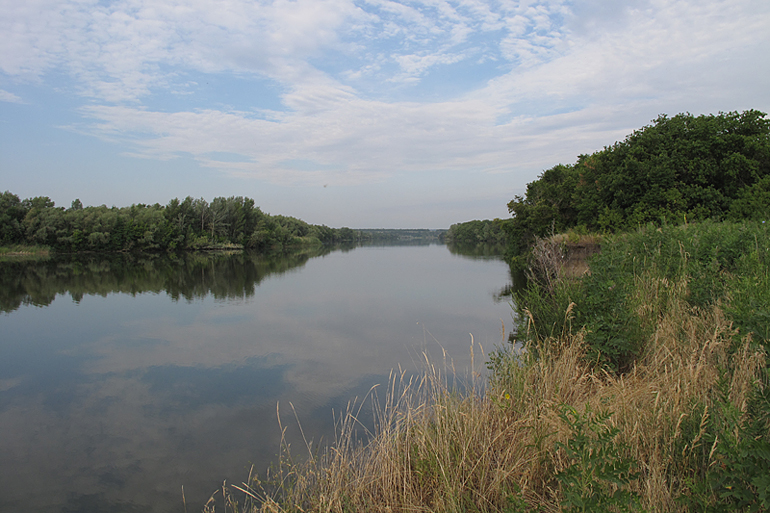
(6, 96)
(124, 50)
(121, 51)
(415, 65)
(658, 56)
(354, 140)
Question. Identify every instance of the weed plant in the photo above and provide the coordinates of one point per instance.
(721, 263)
(653, 399)
(596, 479)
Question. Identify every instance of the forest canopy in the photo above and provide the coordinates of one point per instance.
(186, 224)
(679, 169)
(477, 232)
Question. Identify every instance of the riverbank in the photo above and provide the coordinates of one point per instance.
(639, 386)
(45, 251)
(24, 251)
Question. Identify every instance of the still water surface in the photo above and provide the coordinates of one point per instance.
(124, 378)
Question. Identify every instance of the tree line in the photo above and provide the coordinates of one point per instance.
(477, 232)
(676, 170)
(179, 225)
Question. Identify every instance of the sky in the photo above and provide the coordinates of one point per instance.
(359, 113)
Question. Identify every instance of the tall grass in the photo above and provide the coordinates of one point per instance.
(680, 424)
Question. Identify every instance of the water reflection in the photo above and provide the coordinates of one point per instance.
(480, 251)
(492, 252)
(162, 372)
(183, 276)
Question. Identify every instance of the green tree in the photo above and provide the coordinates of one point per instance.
(12, 214)
(678, 169)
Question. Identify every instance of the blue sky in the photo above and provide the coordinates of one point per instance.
(361, 113)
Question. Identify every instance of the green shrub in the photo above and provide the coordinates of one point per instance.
(733, 472)
(718, 261)
(598, 476)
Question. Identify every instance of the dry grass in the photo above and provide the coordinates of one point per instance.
(439, 450)
(562, 256)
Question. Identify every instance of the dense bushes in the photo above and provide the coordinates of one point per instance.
(719, 261)
(187, 224)
(690, 302)
(678, 169)
(477, 232)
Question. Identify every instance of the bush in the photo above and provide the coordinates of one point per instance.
(719, 262)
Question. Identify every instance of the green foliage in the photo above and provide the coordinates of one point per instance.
(542, 312)
(516, 501)
(597, 478)
(752, 202)
(547, 207)
(749, 286)
(11, 217)
(614, 333)
(477, 232)
(740, 476)
(716, 260)
(187, 224)
(734, 466)
(721, 450)
(676, 170)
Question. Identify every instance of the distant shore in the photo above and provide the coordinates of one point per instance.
(24, 251)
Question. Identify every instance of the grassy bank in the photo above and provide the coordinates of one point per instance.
(20, 250)
(640, 386)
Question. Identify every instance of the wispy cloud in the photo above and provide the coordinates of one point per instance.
(124, 49)
(6, 96)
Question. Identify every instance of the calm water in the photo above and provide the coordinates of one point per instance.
(123, 379)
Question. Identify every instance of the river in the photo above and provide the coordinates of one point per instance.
(124, 378)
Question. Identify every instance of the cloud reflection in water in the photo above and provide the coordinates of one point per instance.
(118, 399)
